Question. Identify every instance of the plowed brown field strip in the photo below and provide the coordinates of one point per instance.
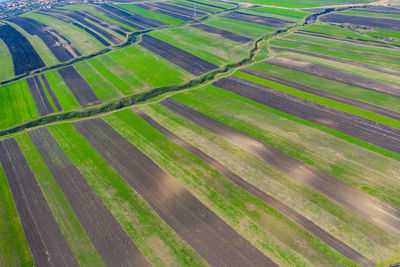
(79, 87)
(226, 34)
(39, 96)
(209, 235)
(51, 93)
(260, 20)
(361, 203)
(335, 75)
(24, 56)
(382, 23)
(267, 199)
(370, 131)
(349, 101)
(337, 59)
(179, 57)
(106, 234)
(47, 243)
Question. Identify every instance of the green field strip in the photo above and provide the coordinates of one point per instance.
(151, 14)
(103, 89)
(383, 33)
(337, 88)
(149, 68)
(40, 47)
(16, 104)
(114, 79)
(14, 248)
(302, 3)
(70, 226)
(335, 30)
(154, 238)
(62, 92)
(360, 71)
(48, 95)
(355, 166)
(202, 6)
(96, 13)
(281, 11)
(359, 47)
(129, 82)
(82, 41)
(7, 70)
(243, 28)
(323, 101)
(370, 14)
(210, 47)
(326, 50)
(228, 201)
(331, 217)
(271, 15)
(96, 24)
(221, 4)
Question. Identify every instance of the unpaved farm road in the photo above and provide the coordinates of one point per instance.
(361, 203)
(267, 199)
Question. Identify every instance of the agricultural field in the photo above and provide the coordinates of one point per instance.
(201, 133)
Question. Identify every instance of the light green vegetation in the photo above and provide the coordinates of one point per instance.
(243, 28)
(155, 239)
(370, 14)
(7, 70)
(62, 92)
(325, 213)
(210, 47)
(47, 94)
(360, 71)
(191, 5)
(111, 77)
(349, 54)
(41, 48)
(337, 88)
(302, 3)
(82, 41)
(150, 70)
(334, 30)
(97, 13)
(103, 89)
(323, 101)
(230, 202)
(355, 166)
(16, 104)
(281, 11)
(122, 78)
(379, 33)
(391, 52)
(271, 15)
(350, 163)
(70, 226)
(151, 14)
(14, 248)
(222, 4)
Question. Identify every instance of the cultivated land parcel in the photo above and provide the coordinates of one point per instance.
(201, 133)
